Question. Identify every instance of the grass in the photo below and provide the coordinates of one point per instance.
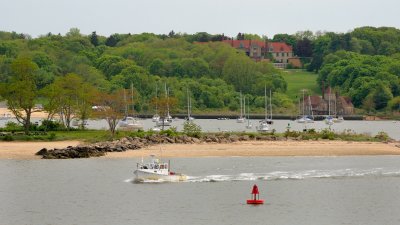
(298, 80)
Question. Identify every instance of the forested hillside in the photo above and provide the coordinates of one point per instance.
(214, 73)
(363, 64)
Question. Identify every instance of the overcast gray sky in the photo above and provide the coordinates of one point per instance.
(263, 17)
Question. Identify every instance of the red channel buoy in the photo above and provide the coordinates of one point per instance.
(256, 197)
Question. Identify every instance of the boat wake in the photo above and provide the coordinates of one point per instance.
(285, 175)
(298, 175)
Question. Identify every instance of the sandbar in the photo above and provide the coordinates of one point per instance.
(27, 150)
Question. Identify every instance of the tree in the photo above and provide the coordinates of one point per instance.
(85, 101)
(303, 48)
(112, 40)
(73, 32)
(21, 91)
(110, 106)
(93, 39)
(69, 88)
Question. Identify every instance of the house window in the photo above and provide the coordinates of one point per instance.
(287, 54)
(283, 54)
(277, 54)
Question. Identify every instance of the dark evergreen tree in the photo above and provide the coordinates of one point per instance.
(93, 39)
(112, 40)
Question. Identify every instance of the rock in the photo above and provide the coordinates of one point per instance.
(244, 138)
(234, 138)
(196, 140)
(42, 152)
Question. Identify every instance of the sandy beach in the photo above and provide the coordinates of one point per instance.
(27, 150)
(5, 111)
(266, 148)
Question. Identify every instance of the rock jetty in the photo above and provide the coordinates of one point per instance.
(133, 143)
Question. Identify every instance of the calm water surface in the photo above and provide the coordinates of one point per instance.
(298, 190)
(213, 125)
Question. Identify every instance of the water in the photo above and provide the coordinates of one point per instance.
(297, 190)
(392, 128)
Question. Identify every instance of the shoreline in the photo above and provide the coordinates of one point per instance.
(27, 150)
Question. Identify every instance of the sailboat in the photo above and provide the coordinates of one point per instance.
(264, 125)
(329, 119)
(337, 119)
(168, 118)
(189, 107)
(156, 117)
(129, 123)
(241, 119)
(306, 118)
(249, 124)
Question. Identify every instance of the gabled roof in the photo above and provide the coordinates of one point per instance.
(279, 47)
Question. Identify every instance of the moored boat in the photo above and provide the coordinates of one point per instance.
(156, 170)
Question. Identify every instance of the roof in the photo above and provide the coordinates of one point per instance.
(279, 47)
(315, 100)
(245, 43)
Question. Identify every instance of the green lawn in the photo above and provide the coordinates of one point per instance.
(298, 80)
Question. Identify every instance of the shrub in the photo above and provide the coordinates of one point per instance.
(12, 126)
(327, 134)
(8, 138)
(171, 132)
(49, 125)
(191, 129)
(382, 136)
(52, 136)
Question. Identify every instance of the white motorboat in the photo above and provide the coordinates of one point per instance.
(155, 118)
(305, 119)
(130, 123)
(164, 122)
(339, 119)
(263, 127)
(329, 120)
(156, 170)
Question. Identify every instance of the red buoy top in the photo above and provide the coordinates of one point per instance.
(255, 190)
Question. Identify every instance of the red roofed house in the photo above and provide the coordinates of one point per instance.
(256, 50)
(260, 50)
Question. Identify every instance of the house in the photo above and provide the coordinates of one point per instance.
(279, 52)
(255, 49)
(329, 103)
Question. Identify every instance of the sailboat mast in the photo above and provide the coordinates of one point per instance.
(244, 106)
(188, 104)
(126, 104)
(156, 99)
(248, 113)
(270, 103)
(241, 107)
(303, 104)
(266, 102)
(329, 102)
(311, 111)
(133, 108)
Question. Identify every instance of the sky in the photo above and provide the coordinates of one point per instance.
(262, 17)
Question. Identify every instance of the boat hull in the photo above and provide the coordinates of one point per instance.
(141, 176)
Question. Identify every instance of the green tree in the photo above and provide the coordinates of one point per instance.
(93, 39)
(111, 108)
(21, 91)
